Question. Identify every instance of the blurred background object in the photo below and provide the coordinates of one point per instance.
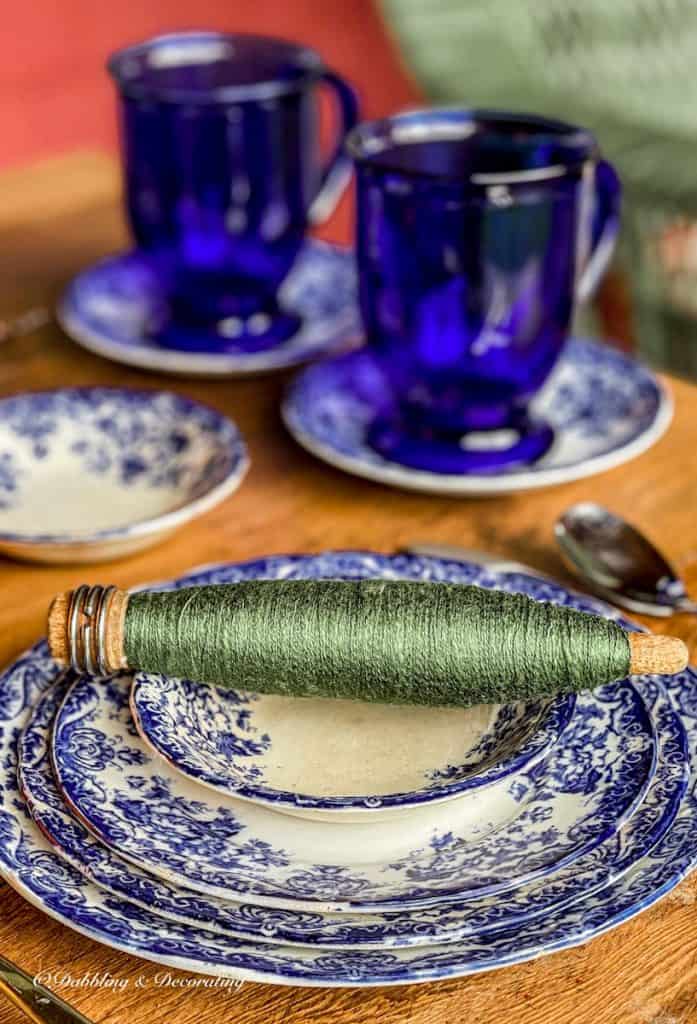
(625, 69)
(55, 96)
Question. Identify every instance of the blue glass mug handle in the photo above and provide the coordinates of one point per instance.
(604, 229)
(337, 173)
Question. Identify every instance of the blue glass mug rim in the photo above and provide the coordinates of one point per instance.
(369, 141)
(303, 59)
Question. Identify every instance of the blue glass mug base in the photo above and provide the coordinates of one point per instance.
(257, 333)
(467, 453)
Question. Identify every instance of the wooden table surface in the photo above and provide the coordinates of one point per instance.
(60, 216)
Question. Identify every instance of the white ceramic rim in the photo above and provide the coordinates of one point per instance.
(272, 978)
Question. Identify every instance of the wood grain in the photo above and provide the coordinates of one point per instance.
(56, 218)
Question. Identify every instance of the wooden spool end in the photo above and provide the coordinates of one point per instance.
(58, 632)
(656, 655)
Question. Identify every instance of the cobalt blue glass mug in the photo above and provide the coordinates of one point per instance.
(477, 232)
(223, 175)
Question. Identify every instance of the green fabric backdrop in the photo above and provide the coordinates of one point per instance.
(627, 69)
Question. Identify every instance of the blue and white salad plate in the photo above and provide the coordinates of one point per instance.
(425, 926)
(231, 849)
(339, 759)
(116, 307)
(35, 869)
(88, 474)
(605, 409)
(525, 828)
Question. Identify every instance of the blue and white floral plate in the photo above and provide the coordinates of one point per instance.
(339, 760)
(114, 307)
(36, 870)
(526, 828)
(448, 922)
(605, 409)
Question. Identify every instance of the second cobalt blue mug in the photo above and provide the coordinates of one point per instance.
(223, 174)
(477, 233)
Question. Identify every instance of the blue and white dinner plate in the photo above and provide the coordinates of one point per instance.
(93, 473)
(525, 829)
(339, 759)
(431, 925)
(112, 307)
(605, 409)
(30, 864)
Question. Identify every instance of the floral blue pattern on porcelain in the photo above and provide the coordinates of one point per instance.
(604, 407)
(92, 467)
(30, 864)
(425, 926)
(111, 308)
(221, 738)
(564, 807)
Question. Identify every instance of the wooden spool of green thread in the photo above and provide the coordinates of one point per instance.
(371, 640)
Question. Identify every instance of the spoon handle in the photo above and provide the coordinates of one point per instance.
(39, 1004)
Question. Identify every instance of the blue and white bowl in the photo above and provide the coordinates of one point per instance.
(89, 474)
(340, 760)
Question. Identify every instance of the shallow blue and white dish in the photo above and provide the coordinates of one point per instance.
(88, 474)
(339, 760)
(37, 871)
(115, 307)
(515, 830)
(605, 409)
(448, 922)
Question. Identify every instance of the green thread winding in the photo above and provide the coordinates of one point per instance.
(374, 640)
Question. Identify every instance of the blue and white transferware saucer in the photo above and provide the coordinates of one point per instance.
(605, 409)
(447, 922)
(94, 473)
(336, 759)
(30, 864)
(525, 828)
(115, 307)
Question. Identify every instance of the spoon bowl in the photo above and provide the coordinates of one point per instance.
(619, 563)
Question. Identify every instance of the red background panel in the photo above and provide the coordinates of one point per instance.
(55, 94)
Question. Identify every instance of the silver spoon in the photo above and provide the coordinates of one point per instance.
(619, 563)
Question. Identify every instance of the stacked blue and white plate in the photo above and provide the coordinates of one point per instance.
(328, 843)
